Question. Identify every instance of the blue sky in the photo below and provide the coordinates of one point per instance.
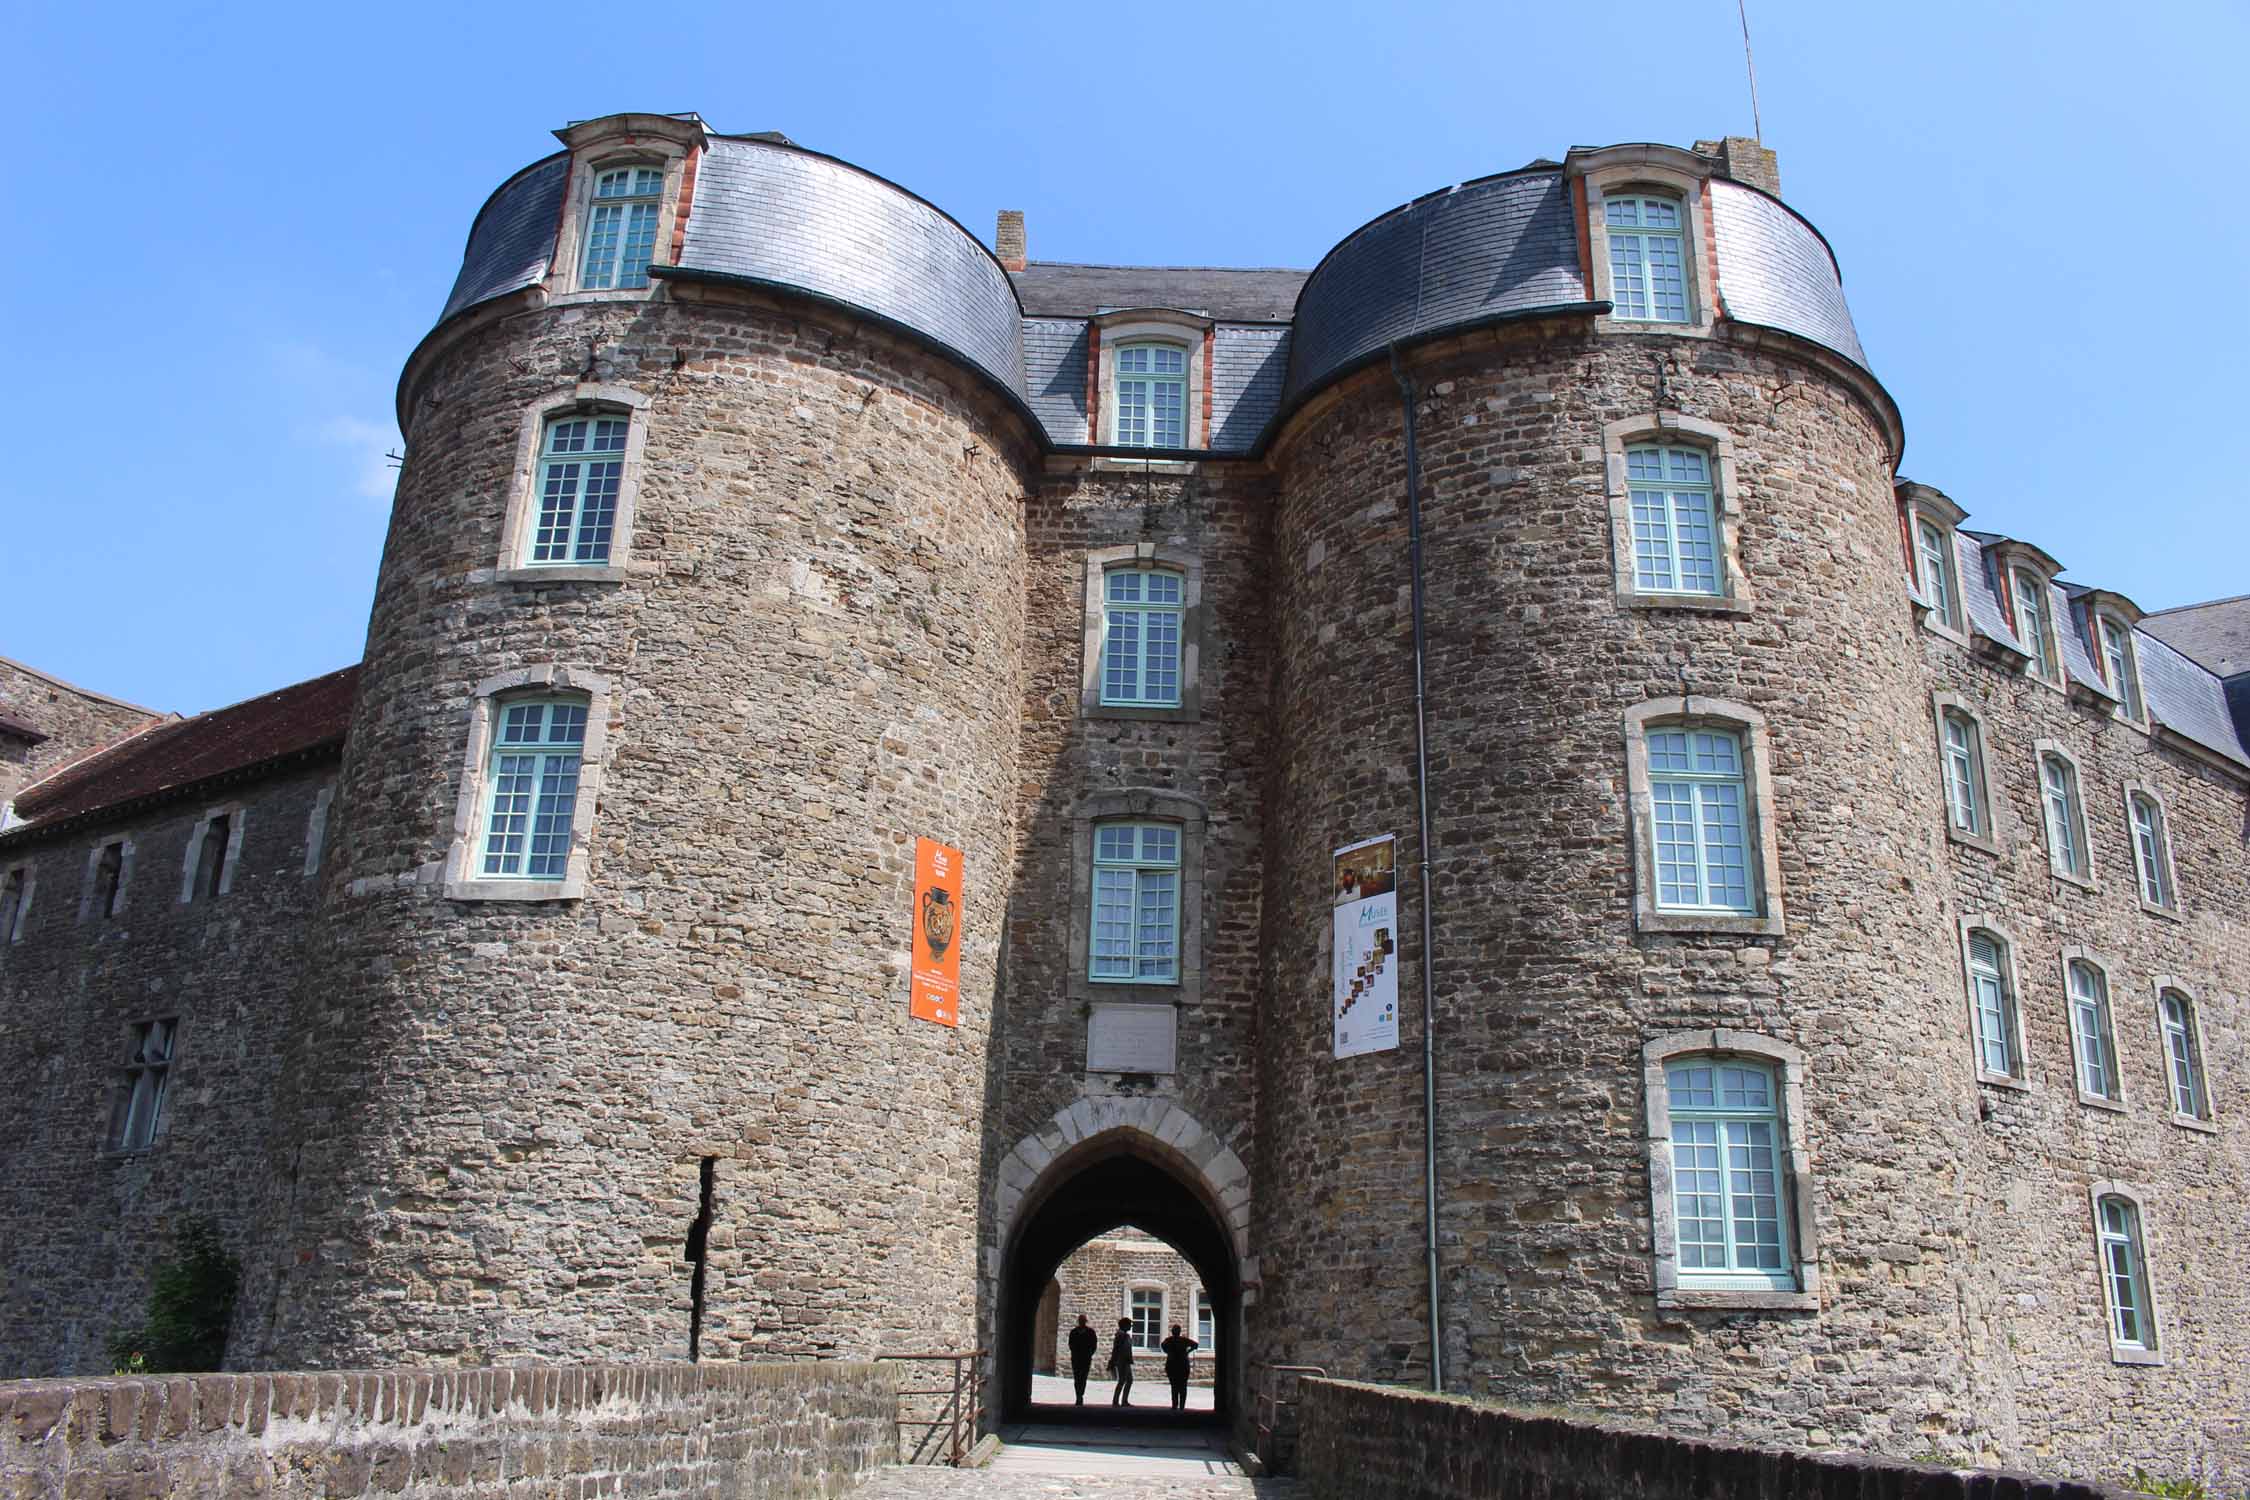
(243, 218)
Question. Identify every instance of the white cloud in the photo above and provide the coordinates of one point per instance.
(369, 445)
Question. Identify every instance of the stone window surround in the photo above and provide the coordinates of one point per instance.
(2207, 1122)
(1148, 325)
(1668, 427)
(1189, 565)
(1788, 1063)
(1140, 805)
(2072, 955)
(2171, 872)
(111, 1143)
(461, 883)
(520, 521)
(598, 146)
(2127, 1354)
(1665, 171)
(237, 817)
(1163, 1305)
(2011, 976)
(1988, 842)
(28, 873)
(1757, 748)
(1921, 503)
(2006, 557)
(316, 826)
(2040, 750)
(124, 843)
(2099, 605)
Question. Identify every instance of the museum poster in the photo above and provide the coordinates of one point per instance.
(1366, 953)
(935, 991)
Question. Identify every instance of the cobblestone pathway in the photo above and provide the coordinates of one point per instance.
(1072, 1462)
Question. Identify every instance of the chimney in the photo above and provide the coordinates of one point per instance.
(1007, 239)
(1745, 160)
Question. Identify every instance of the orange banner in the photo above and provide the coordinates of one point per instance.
(936, 991)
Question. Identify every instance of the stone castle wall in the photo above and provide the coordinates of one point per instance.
(86, 1222)
(814, 658)
(1095, 1280)
(74, 721)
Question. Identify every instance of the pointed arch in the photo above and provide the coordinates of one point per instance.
(1157, 1128)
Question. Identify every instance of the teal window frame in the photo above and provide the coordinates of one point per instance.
(1648, 262)
(1143, 663)
(531, 789)
(1140, 391)
(1992, 1001)
(624, 206)
(2064, 810)
(2183, 1055)
(2093, 1032)
(1730, 1172)
(2152, 851)
(1699, 794)
(1673, 503)
(1134, 921)
(581, 476)
(1967, 802)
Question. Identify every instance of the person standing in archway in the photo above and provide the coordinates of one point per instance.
(1176, 1351)
(1083, 1342)
(1121, 1363)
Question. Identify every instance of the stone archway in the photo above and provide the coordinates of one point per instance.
(1099, 1164)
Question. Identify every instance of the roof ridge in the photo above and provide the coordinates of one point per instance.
(206, 713)
(2204, 604)
(1103, 265)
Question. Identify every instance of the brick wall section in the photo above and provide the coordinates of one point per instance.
(815, 660)
(85, 1223)
(785, 1430)
(1369, 1440)
(74, 721)
(1094, 1280)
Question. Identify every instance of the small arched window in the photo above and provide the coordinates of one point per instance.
(2124, 1265)
(1968, 804)
(1647, 257)
(1675, 528)
(1151, 396)
(2152, 850)
(2069, 852)
(1143, 611)
(532, 789)
(581, 470)
(2093, 1038)
(621, 224)
(1992, 1006)
(1136, 903)
(2183, 1055)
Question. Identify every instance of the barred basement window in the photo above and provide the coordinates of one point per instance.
(1136, 903)
(1996, 1025)
(2128, 1301)
(2093, 1039)
(581, 470)
(1675, 530)
(1142, 631)
(534, 790)
(2182, 1036)
(148, 1072)
(1647, 257)
(621, 228)
(1149, 383)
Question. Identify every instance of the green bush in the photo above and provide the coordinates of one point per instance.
(190, 1302)
(2182, 1487)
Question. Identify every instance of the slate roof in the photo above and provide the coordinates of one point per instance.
(170, 758)
(1057, 289)
(2216, 635)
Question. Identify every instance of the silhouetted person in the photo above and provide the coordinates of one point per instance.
(1083, 1342)
(1121, 1363)
(1176, 1350)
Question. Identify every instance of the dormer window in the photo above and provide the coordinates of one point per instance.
(2121, 665)
(2035, 623)
(1647, 257)
(621, 221)
(1151, 400)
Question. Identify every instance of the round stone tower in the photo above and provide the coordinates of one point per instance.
(1660, 554)
(702, 603)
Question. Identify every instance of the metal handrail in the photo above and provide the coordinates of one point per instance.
(961, 1414)
(1267, 1404)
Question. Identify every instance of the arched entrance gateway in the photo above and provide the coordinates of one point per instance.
(1168, 1177)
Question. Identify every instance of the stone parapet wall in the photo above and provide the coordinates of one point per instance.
(783, 1430)
(1408, 1445)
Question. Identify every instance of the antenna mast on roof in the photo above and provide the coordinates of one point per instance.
(1757, 126)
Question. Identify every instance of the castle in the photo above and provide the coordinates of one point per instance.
(1809, 1000)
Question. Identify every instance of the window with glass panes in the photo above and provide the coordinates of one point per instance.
(1937, 572)
(12, 888)
(1647, 257)
(1145, 1306)
(1964, 775)
(2119, 666)
(534, 790)
(2183, 1060)
(1151, 396)
(2092, 1041)
(1142, 612)
(2125, 1270)
(1726, 1173)
(1994, 1005)
(1136, 926)
(1700, 800)
(621, 228)
(1204, 1320)
(2030, 591)
(2066, 829)
(148, 1071)
(2149, 850)
(581, 466)
(1675, 533)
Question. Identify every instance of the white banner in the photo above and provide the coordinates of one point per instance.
(1366, 947)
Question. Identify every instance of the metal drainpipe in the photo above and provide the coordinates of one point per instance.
(1422, 799)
